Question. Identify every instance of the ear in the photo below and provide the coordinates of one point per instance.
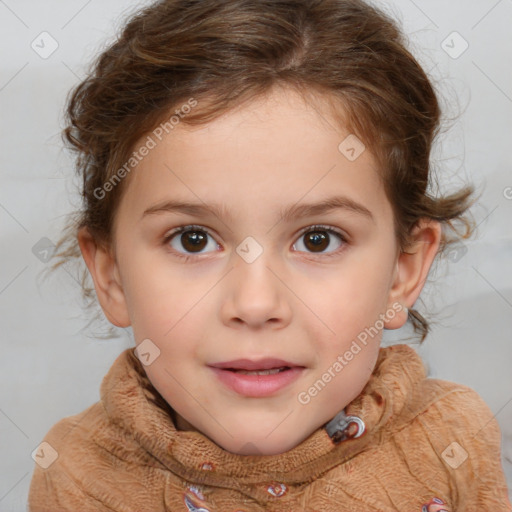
(412, 268)
(107, 282)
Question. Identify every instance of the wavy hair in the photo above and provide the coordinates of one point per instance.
(227, 52)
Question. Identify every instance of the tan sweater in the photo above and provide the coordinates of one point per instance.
(426, 442)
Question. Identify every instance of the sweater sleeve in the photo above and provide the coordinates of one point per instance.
(467, 439)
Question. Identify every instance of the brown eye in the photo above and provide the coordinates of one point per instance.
(317, 239)
(193, 241)
(190, 240)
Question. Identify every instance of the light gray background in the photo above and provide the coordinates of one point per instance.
(52, 369)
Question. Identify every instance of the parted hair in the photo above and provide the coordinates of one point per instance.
(223, 53)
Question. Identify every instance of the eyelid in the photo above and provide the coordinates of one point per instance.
(345, 241)
(188, 227)
(312, 227)
(325, 227)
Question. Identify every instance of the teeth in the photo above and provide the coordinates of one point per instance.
(261, 372)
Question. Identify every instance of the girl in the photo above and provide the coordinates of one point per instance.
(258, 208)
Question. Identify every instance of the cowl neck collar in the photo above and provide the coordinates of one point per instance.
(133, 405)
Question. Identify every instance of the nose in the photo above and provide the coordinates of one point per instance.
(256, 295)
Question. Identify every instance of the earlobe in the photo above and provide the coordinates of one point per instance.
(412, 268)
(107, 280)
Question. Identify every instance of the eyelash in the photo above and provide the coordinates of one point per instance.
(315, 227)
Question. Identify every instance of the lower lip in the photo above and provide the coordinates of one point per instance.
(257, 385)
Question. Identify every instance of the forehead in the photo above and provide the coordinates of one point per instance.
(275, 150)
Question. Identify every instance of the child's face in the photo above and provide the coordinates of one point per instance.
(290, 302)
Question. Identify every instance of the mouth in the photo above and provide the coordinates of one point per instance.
(257, 378)
(251, 365)
(271, 371)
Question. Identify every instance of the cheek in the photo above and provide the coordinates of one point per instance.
(349, 306)
(369, 277)
(352, 297)
(164, 307)
(156, 293)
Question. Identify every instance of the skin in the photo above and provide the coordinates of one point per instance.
(292, 302)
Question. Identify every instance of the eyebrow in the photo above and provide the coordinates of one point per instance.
(285, 214)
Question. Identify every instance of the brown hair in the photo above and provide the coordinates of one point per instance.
(223, 53)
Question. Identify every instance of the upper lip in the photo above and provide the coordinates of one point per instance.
(248, 364)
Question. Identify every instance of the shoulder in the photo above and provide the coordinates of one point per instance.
(454, 406)
(63, 434)
(450, 411)
(67, 431)
(452, 440)
(81, 460)
(455, 433)
(90, 437)
(466, 438)
(444, 405)
(403, 375)
(56, 482)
